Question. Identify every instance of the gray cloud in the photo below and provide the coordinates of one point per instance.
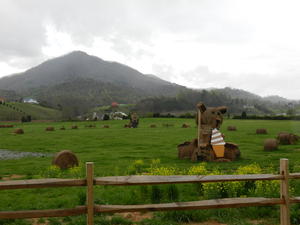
(241, 41)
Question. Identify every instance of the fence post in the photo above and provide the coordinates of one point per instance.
(199, 127)
(90, 193)
(284, 193)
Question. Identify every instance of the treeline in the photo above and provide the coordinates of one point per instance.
(267, 117)
(187, 100)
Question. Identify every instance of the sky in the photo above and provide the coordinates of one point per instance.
(246, 44)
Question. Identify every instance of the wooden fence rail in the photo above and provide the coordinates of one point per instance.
(90, 208)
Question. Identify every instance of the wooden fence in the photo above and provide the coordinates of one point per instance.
(90, 208)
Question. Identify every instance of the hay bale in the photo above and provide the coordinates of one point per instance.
(270, 144)
(186, 149)
(152, 126)
(6, 126)
(65, 159)
(90, 126)
(19, 131)
(232, 151)
(105, 126)
(231, 128)
(74, 127)
(261, 131)
(185, 125)
(49, 128)
(286, 138)
(222, 160)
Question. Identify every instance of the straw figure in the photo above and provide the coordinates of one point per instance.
(210, 144)
(65, 159)
(134, 120)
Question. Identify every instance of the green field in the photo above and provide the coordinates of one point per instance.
(11, 111)
(115, 151)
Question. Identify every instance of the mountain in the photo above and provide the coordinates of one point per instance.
(277, 99)
(77, 81)
(79, 65)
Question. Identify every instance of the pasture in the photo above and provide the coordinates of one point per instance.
(120, 151)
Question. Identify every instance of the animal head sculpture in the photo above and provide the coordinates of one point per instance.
(212, 116)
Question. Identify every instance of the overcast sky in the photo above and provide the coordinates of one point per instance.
(248, 44)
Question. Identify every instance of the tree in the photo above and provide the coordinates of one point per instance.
(244, 115)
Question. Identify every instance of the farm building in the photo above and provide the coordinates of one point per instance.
(30, 100)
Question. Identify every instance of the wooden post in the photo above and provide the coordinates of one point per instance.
(90, 193)
(199, 127)
(284, 193)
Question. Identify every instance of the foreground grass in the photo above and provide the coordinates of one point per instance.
(113, 150)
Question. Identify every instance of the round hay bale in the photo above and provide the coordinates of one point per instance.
(185, 125)
(270, 144)
(65, 159)
(50, 129)
(74, 127)
(261, 131)
(105, 126)
(284, 138)
(232, 151)
(152, 126)
(19, 131)
(231, 128)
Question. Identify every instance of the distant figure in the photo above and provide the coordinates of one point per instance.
(134, 120)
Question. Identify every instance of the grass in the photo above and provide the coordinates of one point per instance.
(113, 150)
(37, 112)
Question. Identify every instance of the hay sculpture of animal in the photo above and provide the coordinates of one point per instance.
(74, 127)
(261, 131)
(49, 129)
(201, 148)
(65, 159)
(185, 125)
(19, 131)
(270, 144)
(134, 120)
(231, 128)
(286, 138)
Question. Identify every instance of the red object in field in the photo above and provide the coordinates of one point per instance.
(114, 104)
